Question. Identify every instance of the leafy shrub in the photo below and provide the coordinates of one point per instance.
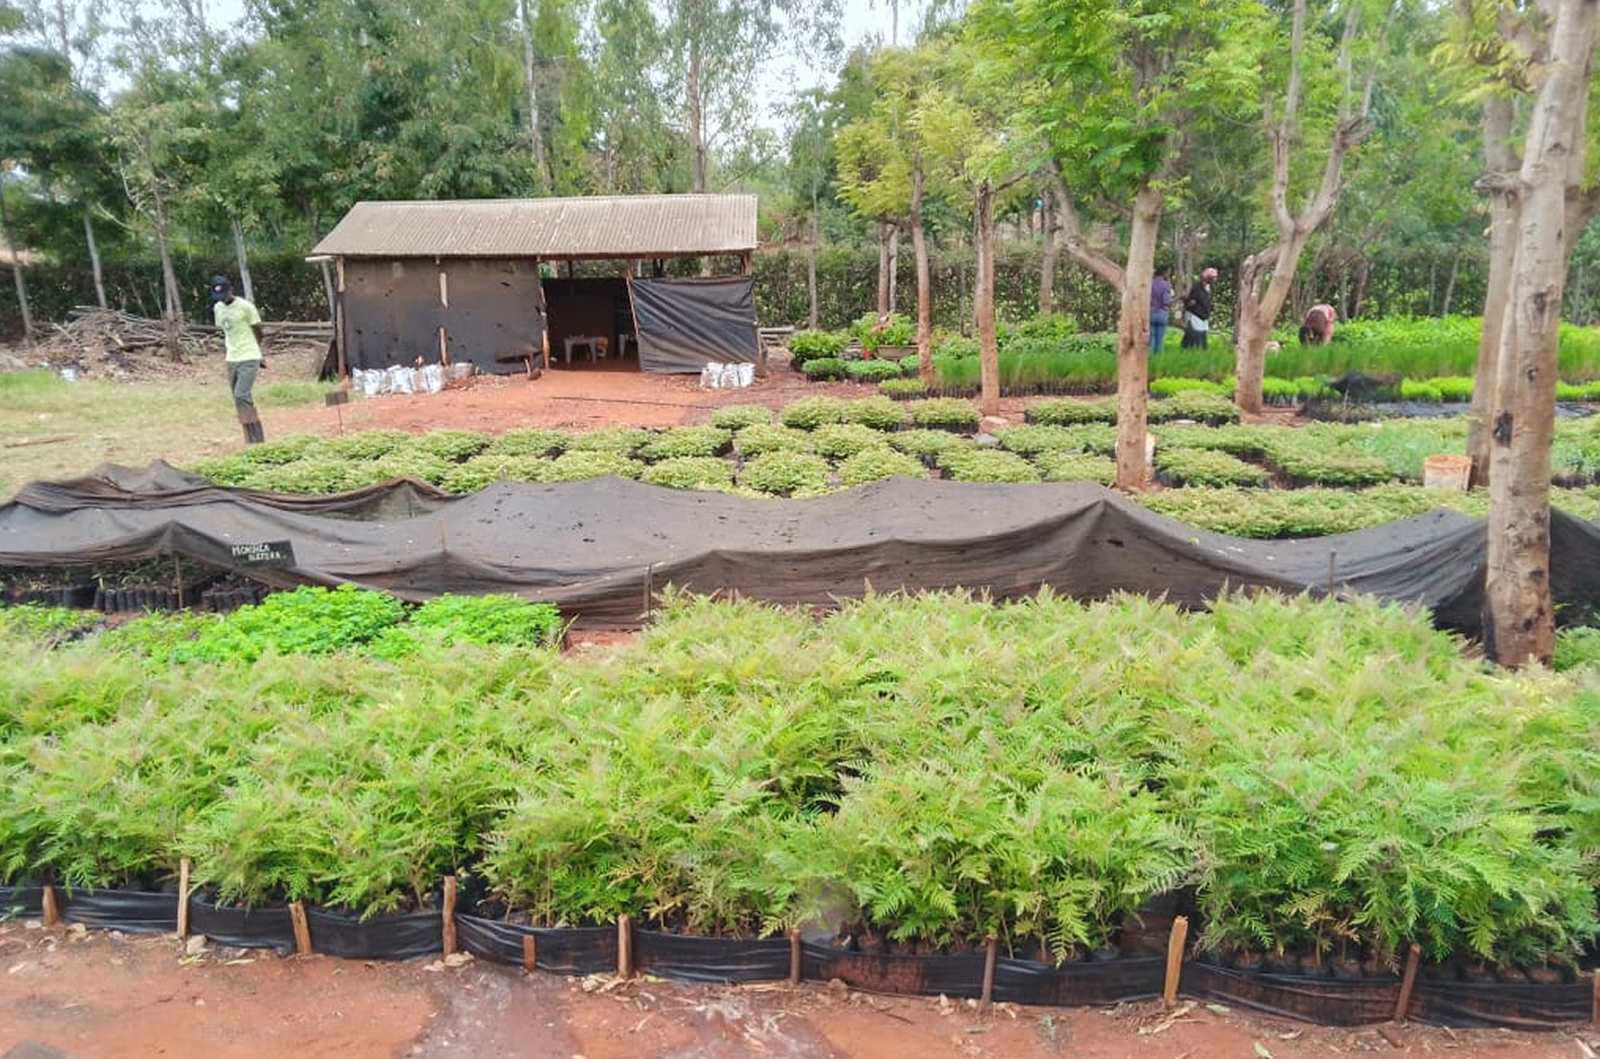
(159, 636)
(899, 331)
(824, 369)
(739, 416)
(1278, 391)
(366, 444)
(1066, 411)
(944, 413)
(690, 472)
(233, 470)
(1416, 390)
(1207, 467)
(927, 443)
(903, 387)
(284, 450)
(1201, 406)
(817, 345)
(528, 442)
(449, 620)
(1454, 388)
(786, 474)
(1577, 647)
(879, 413)
(454, 446)
(979, 464)
(44, 625)
(771, 437)
(409, 462)
(492, 467)
(955, 347)
(808, 413)
(839, 440)
(314, 477)
(624, 441)
(686, 441)
(580, 465)
(871, 370)
(1055, 328)
(876, 464)
(309, 620)
(1076, 467)
(1032, 440)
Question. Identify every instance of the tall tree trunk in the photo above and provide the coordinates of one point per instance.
(919, 250)
(530, 75)
(694, 94)
(813, 317)
(172, 311)
(1450, 284)
(884, 228)
(983, 303)
(243, 258)
(314, 230)
(1519, 619)
(1498, 185)
(95, 265)
(1133, 343)
(894, 267)
(1049, 252)
(16, 270)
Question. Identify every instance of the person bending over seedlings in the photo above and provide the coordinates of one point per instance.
(1318, 328)
(242, 334)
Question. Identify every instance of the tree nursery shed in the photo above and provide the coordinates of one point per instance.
(493, 282)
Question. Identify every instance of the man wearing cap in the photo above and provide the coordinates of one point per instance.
(1197, 311)
(242, 333)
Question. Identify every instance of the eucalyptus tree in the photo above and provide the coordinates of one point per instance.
(875, 166)
(635, 147)
(716, 48)
(1123, 86)
(1316, 115)
(73, 29)
(810, 170)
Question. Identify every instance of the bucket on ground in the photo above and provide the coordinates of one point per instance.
(1447, 472)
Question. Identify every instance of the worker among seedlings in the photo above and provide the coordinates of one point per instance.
(242, 333)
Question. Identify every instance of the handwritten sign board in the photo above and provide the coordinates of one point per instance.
(271, 554)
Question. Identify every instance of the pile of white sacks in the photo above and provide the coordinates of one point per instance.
(399, 379)
(715, 376)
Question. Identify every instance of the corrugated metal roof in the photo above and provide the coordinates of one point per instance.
(618, 226)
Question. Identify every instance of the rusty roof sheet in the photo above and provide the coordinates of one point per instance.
(617, 226)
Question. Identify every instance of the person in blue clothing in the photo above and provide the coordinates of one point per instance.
(1160, 309)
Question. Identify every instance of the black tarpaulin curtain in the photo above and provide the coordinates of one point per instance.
(684, 324)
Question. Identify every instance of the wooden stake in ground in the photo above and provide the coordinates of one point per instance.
(302, 928)
(183, 895)
(624, 946)
(449, 914)
(1175, 943)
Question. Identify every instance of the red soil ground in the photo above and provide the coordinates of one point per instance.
(100, 995)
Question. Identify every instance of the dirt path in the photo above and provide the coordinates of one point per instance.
(101, 995)
(573, 400)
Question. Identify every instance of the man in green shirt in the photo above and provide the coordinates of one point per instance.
(241, 331)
